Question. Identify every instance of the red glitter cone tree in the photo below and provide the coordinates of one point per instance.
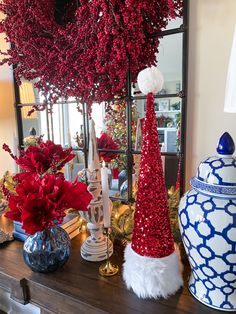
(151, 265)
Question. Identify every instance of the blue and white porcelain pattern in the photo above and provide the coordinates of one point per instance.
(207, 218)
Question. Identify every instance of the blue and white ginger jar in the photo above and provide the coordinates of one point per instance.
(207, 219)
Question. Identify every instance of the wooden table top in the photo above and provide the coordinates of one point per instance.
(78, 287)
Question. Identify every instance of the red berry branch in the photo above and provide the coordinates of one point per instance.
(87, 54)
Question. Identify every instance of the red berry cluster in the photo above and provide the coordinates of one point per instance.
(87, 56)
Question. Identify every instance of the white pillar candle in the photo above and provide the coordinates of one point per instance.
(105, 196)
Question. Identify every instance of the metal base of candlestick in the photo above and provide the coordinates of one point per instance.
(108, 269)
(95, 250)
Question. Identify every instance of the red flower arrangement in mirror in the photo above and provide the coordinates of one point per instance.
(105, 141)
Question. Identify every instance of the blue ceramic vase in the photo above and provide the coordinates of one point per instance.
(207, 218)
(47, 250)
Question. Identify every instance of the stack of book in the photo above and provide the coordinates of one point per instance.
(71, 224)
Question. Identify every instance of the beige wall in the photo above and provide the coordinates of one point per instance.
(7, 113)
(210, 37)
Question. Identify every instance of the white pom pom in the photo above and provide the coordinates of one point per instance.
(150, 80)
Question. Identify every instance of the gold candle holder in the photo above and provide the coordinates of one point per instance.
(108, 269)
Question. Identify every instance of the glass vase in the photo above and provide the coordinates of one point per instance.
(47, 250)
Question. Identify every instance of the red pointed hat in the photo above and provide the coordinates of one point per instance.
(152, 234)
(151, 268)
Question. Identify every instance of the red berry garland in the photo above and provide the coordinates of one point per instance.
(87, 55)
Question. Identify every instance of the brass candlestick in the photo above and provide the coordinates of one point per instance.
(108, 269)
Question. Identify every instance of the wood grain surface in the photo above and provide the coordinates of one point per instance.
(78, 287)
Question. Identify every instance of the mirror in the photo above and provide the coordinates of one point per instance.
(64, 124)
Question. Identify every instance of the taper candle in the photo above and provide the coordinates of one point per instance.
(105, 196)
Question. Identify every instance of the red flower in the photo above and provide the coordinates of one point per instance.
(106, 142)
(13, 204)
(43, 157)
(76, 195)
(36, 215)
(41, 193)
(41, 202)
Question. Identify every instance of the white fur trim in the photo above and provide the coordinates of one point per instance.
(151, 277)
(150, 80)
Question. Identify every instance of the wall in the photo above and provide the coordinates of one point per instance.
(7, 113)
(210, 38)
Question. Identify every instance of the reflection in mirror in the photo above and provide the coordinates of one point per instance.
(65, 125)
(176, 23)
(27, 97)
(168, 104)
(27, 93)
(111, 130)
(29, 122)
(116, 123)
(168, 114)
(99, 116)
(73, 126)
(171, 166)
(169, 62)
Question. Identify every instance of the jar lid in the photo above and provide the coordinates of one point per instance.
(217, 174)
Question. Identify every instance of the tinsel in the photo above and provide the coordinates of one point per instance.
(152, 232)
(86, 52)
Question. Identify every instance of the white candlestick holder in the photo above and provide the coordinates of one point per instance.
(94, 249)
